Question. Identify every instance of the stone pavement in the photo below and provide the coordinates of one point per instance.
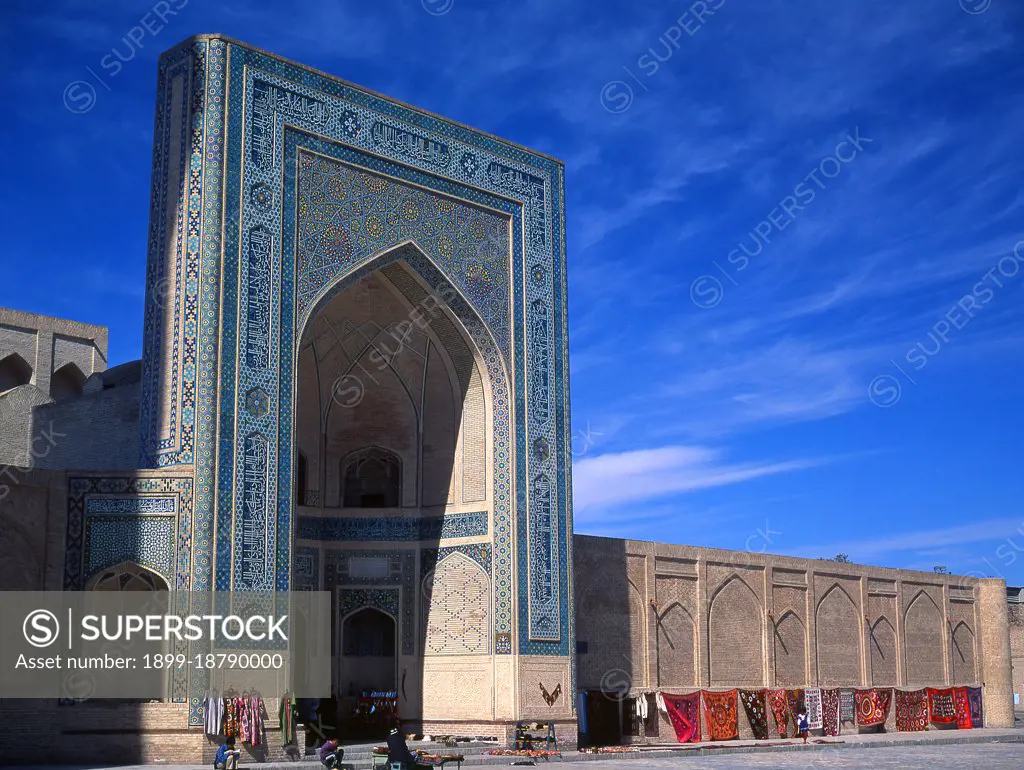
(990, 756)
(992, 749)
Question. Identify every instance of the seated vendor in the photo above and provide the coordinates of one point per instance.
(398, 749)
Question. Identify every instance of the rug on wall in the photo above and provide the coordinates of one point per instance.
(723, 720)
(963, 709)
(872, 706)
(684, 713)
(812, 702)
(911, 711)
(847, 706)
(780, 710)
(757, 712)
(830, 712)
(795, 699)
(941, 707)
(977, 711)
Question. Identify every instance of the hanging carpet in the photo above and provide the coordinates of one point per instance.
(963, 709)
(977, 711)
(911, 711)
(684, 713)
(872, 706)
(847, 706)
(780, 710)
(941, 708)
(723, 722)
(812, 702)
(830, 712)
(757, 712)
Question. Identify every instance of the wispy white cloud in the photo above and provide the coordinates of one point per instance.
(615, 479)
(922, 542)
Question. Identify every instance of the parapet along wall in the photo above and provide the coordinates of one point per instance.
(652, 616)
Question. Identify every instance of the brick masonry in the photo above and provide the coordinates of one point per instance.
(773, 621)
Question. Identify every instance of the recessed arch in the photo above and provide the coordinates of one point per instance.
(67, 382)
(962, 649)
(14, 371)
(371, 478)
(923, 631)
(676, 647)
(736, 659)
(127, 576)
(882, 652)
(790, 642)
(838, 631)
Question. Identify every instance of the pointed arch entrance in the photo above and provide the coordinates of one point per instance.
(401, 410)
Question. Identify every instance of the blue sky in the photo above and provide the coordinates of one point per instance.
(865, 155)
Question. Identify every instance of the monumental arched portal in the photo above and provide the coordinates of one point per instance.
(356, 344)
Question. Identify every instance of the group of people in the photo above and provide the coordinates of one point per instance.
(331, 752)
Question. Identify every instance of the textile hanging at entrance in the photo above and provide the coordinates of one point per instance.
(963, 709)
(847, 706)
(780, 710)
(812, 702)
(872, 706)
(941, 708)
(684, 713)
(977, 712)
(723, 721)
(830, 712)
(757, 712)
(911, 711)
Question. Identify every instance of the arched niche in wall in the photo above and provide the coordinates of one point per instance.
(14, 371)
(962, 648)
(838, 632)
(790, 640)
(922, 628)
(735, 635)
(676, 648)
(882, 651)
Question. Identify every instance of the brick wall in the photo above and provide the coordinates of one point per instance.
(1016, 618)
(745, 637)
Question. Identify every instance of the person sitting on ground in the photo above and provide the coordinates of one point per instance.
(802, 724)
(227, 755)
(331, 754)
(398, 749)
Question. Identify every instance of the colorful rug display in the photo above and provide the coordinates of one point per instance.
(684, 713)
(941, 707)
(911, 711)
(812, 702)
(830, 712)
(757, 712)
(847, 706)
(977, 712)
(872, 706)
(963, 709)
(780, 710)
(723, 722)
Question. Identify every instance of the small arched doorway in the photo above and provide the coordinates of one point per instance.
(368, 660)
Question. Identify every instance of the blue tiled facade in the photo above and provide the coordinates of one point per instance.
(290, 186)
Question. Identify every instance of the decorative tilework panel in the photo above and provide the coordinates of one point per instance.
(132, 536)
(129, 505)
(478, 552)
(147, 541)
(339, 528)
(457, 608)
(347, 216)
(306, 569)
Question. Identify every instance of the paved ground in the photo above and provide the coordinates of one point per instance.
(986, 756)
